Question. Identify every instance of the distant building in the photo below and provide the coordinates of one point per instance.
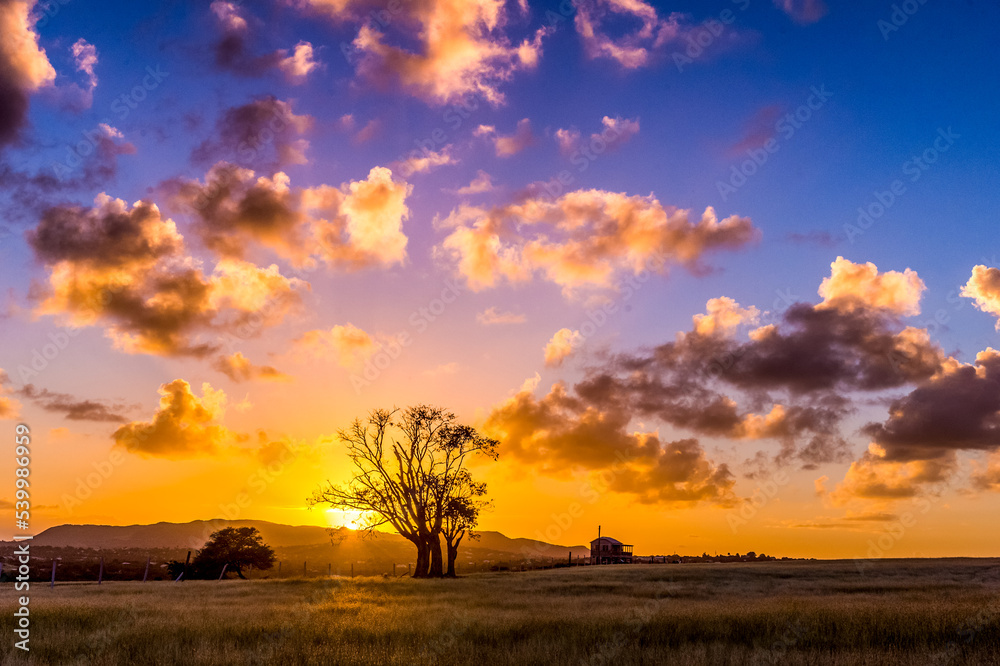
(606, 550)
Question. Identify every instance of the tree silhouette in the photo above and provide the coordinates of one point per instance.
(461, 515)
(237, 547)
(409, 467)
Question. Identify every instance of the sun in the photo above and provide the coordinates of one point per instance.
(342, 518)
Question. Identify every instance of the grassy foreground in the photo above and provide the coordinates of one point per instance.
(898, 612)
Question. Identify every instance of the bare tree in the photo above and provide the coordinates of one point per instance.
(408, 465)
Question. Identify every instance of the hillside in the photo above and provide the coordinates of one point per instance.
(304, 542)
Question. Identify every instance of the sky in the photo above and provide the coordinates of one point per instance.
(719, 276)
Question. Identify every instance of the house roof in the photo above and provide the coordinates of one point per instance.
(609, 540)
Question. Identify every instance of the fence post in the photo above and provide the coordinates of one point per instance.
(304, 573)
(329, 569)
(407, 568)
(146, 575)
(53, 584)
(352, 569)
(100, 573)
(279, 569)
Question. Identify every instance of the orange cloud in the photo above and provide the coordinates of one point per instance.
(239, 368)
(299, 64)
(9, 407)
(560, 432)
(24, 66)
(984, 288)
(184, 425)
(561, 346)
(483, 182)
(723, 317)
(509, 144)
(583, 239)
(852, 286)
(347, 344)
(357, 225)
(492, 316)
(634, 49)
(462, 47)
(422, 163)
(127, 270)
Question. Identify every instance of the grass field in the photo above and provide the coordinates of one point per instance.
(915, 612)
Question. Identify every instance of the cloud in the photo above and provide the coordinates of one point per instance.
(492, 316)
(30, 193)
(73, 408)
(634, 49)
(481, 184)
(958, 409)
(346, 344)
(759, 130)
(791, 381)
(560, 432)
(562, 345)
(511, 144)
(78, 98)
(239, 368)
(586, 239)
(852, 286)
(9, 407)
(24, 66)
(126, 269)
(461, 47)
(262, 133)
(988, 477)
(444, 370)
(984, 288)
(723, 317)
(803, 11)
(235, 51)
(184, 425)
(355, 226)
(298, 65)
(616, 132)
(819, 238)
(427, 161)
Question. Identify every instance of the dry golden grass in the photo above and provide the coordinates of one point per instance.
(899, 612)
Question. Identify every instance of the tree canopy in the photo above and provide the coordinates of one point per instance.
(410, 474)
(234, 549)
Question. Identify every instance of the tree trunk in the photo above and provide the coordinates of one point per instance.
(452, 555)
(436, 569)
(423, 559)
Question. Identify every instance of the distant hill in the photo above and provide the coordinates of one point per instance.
(316, 544)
